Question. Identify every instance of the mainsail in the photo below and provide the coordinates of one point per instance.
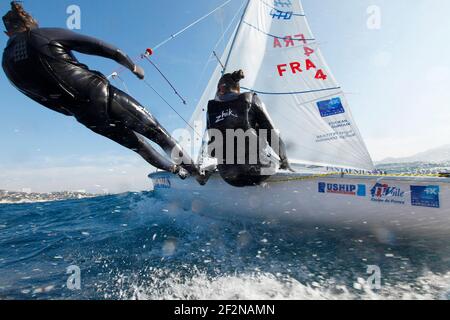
(282, 61)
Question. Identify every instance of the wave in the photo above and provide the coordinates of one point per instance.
(165, 285)
(136, 246)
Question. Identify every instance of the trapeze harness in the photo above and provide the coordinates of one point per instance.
(246, 112)
(40, 64)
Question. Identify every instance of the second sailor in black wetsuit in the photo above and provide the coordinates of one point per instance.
(230, 113)
(39, 62)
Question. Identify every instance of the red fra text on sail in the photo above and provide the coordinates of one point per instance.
(296, 67)
(289, 41)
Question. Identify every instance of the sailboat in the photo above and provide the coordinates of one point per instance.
(335, 184)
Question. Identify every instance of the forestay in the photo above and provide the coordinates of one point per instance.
(282, 61)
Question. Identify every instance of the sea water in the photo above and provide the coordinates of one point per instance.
(136, 246)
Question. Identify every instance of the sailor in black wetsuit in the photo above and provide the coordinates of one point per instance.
(230, 113)
(40, 64)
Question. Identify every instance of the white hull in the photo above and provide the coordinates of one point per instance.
(418, 206)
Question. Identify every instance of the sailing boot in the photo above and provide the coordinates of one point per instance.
(203, 178)
(181, 172)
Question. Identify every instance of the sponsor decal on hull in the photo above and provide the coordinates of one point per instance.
(162, 183)
(344, 189)
(385, 193)
(425, 196)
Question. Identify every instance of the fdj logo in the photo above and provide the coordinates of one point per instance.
(280, 3)
(345, 189)
(425, 196)
(278, 14)
(385, 193)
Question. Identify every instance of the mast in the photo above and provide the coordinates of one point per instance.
(235, 36)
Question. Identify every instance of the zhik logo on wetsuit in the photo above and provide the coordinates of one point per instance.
(224, 115)
(345, 189)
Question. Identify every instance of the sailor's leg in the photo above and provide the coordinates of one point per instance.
(129, 139)
(126, 110)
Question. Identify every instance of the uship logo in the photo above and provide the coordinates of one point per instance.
(344, 189)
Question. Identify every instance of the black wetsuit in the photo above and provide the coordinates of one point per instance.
(246, 112)
(40, 64)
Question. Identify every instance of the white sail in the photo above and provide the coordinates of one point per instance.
(283, 64)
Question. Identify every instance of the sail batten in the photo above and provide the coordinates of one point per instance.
(281, 58)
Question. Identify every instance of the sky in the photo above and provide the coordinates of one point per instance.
(395, 77)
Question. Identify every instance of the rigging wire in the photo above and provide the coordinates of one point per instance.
(170, 106)
(146, 57)
(149, 52)
(218, 59)
(222, 37)
(247, 4)
(115, 76)
(121, 69)
(191, 25)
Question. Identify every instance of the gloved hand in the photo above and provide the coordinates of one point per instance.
(139, 72)
(284, 165)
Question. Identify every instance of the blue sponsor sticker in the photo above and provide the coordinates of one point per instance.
(361, 190)
(322, 187)
(331, 107)
(425, 196)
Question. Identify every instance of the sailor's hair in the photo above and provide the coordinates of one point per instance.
(238, 75)
(231, 80)
(18, 20)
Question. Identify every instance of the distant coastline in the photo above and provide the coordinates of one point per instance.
(439, 155)
(15, 197)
